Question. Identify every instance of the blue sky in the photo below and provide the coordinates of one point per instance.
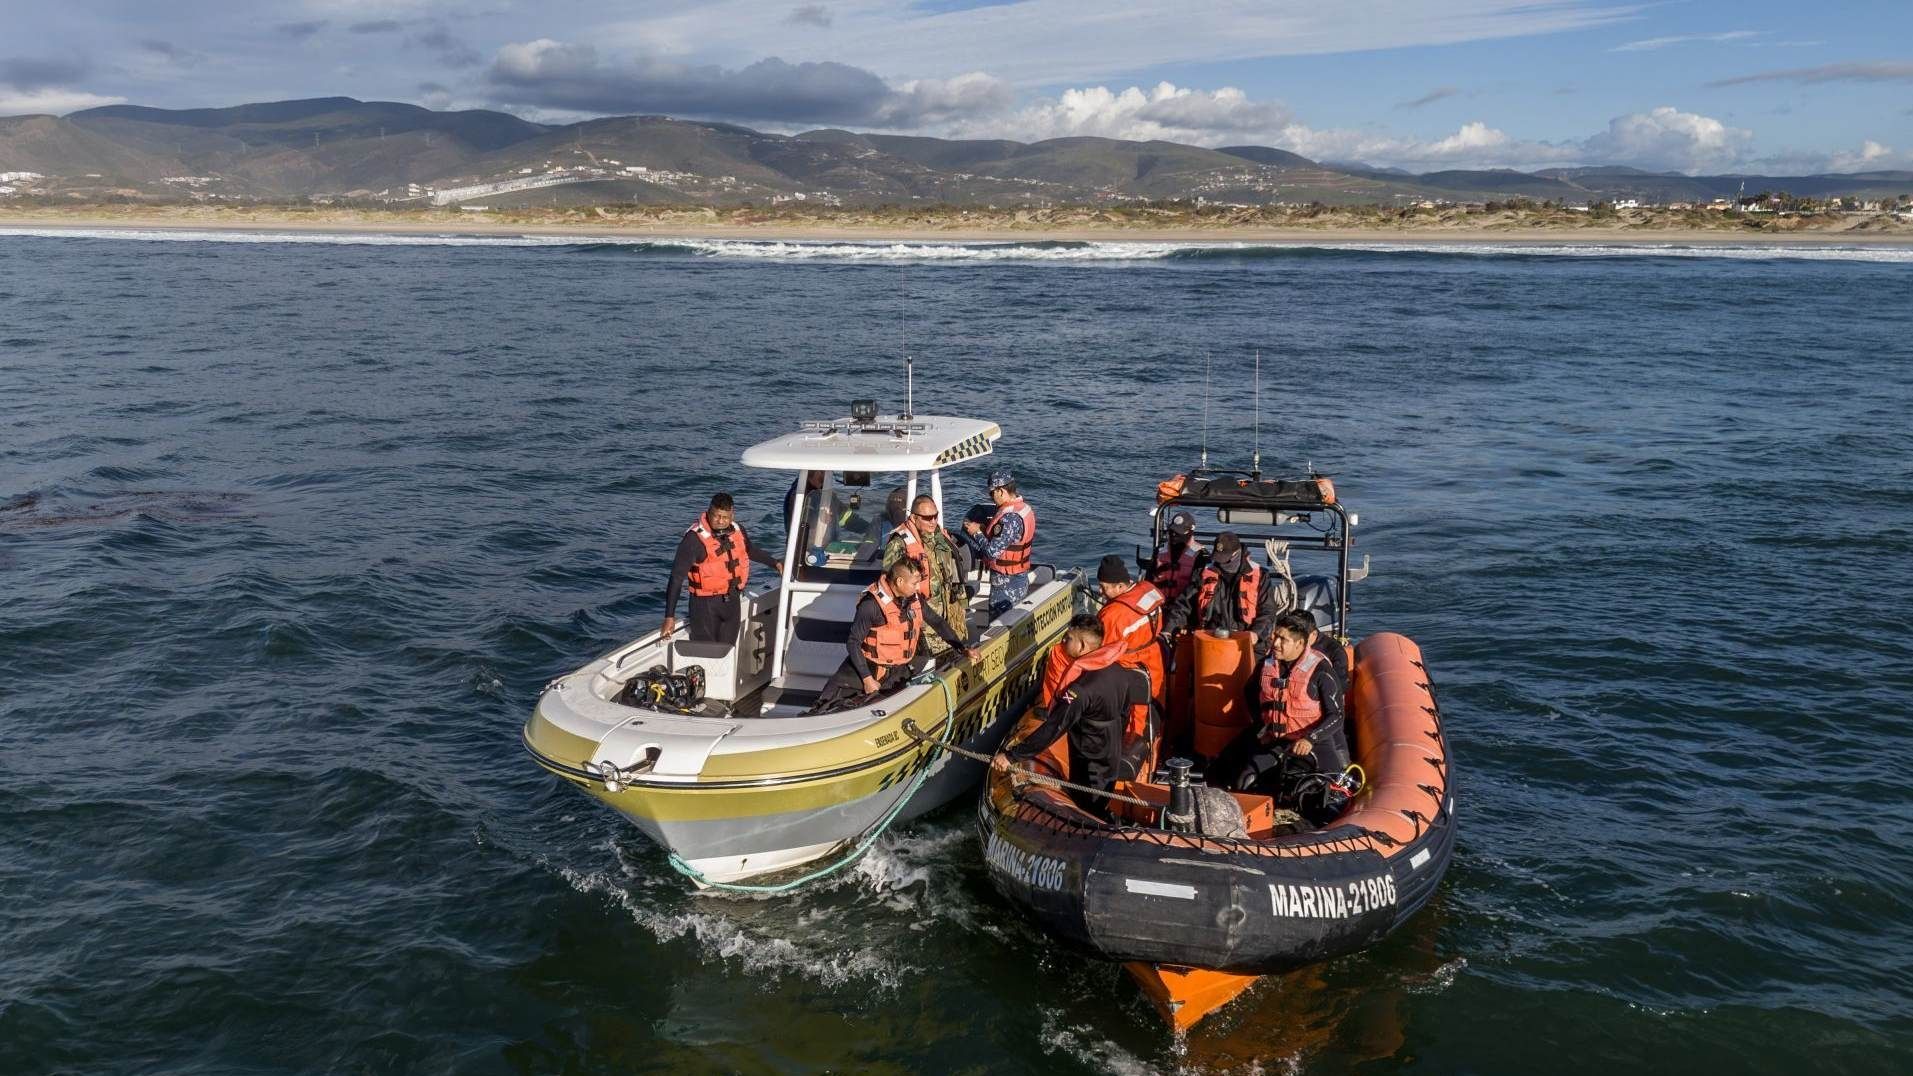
(1458, 83)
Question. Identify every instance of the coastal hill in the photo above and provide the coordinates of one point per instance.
(340, 149)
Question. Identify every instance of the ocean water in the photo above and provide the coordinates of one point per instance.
(293, 529)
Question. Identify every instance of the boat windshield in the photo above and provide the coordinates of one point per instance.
(844, 526)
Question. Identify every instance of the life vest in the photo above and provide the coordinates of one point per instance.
(1248, 592)
(1173, 577)
(1015, 559)
(1291, 709)
(1059, 672)
(725, 566)
(918, 553)
(894, 641)
(1131, 617)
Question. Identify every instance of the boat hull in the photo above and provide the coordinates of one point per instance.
(1245, 906)
(746, 813)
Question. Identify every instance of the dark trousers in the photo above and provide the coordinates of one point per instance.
(1249, 765)
(846, 689)
(715, 619)
(1096, 774)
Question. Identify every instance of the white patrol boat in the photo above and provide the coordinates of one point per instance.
(744, 782)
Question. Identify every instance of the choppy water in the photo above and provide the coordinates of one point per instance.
(292, 533)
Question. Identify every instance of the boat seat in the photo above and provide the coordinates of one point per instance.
(818, 634)
(1315, 595)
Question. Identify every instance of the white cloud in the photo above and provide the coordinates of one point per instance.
(1878, 71)
(1472, 145)
(1660, 139)
(935, 100)
(575, 78)
(1167, 112)
(1050, 42)
(1871, 156)
(1683, 39)
(54, 102)
(1668, 139)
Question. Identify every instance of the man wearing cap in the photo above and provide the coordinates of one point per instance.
(1173, 567)
(1006, 543)
(1232, 593)
(1130, 613)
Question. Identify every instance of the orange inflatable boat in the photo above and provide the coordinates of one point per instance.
(1198, 912)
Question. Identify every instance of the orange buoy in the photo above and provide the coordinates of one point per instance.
(1223, 667)
(1184, 996)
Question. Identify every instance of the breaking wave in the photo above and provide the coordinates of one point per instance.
(964, 251)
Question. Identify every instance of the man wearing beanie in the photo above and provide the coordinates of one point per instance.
(1232, 594)
(1131, 612)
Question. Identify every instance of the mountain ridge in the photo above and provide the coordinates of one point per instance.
(326, 148)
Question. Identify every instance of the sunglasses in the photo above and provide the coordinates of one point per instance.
(932, 517)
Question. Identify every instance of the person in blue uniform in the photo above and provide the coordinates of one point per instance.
(1006, 544)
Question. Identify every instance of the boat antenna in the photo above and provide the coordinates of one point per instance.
(909, 388)
(1207, 361)
(1256, 470)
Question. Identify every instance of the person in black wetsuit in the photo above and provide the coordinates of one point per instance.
(1092, 711)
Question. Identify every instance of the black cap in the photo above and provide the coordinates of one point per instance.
(1182, 524)
(1112, 570)
(1228, 552)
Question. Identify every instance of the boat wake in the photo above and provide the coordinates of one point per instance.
(841, 930)
(1084, 1046)
(1099, 252)
(821, 957)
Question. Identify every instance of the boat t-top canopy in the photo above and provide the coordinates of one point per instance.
(877, 443)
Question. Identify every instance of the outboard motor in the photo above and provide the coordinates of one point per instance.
(1180, 815)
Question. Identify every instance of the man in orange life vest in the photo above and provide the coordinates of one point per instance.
(1006, 545)
(1301, 706)
(1232, 593)
(714, 557)
(1129, 615)
(1098, 706)
(1174, 567)
(1131, 610)
(884, 637)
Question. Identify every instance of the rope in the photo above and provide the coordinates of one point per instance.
(911, 730)
(863, 844)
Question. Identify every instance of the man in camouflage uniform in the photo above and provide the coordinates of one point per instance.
(921, 537)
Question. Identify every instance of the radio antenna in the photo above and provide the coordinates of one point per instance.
(909, 388)
(1207, 361)
(1256, 470)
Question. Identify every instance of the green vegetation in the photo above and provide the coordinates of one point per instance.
(1514, 217)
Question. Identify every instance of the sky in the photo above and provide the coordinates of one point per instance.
(1752, 86)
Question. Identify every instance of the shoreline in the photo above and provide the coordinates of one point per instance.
(612, 228)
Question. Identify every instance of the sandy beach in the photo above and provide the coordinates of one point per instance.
(962, 226)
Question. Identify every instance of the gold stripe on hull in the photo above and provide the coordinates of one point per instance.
(842, 769)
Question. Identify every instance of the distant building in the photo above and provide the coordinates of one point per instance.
(1628, 203)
